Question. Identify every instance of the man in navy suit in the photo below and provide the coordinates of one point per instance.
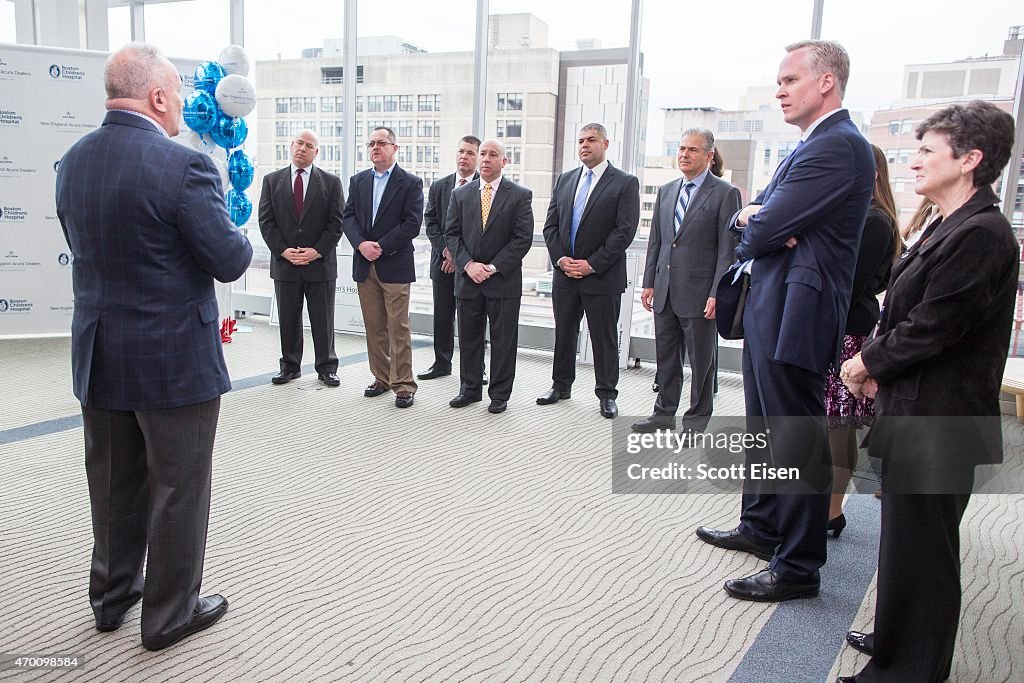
(300, 218)
(442, 263)
(146, 221)
(381, 219)
(591, 221)
(800, 242)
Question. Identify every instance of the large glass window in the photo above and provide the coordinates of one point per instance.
(510, 101)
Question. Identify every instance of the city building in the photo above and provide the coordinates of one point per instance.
(930, 87)
(538, 98)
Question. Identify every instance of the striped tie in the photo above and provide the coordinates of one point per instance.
(485, 205)
(684, 199)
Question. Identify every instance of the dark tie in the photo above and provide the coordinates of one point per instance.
(297, 193)
(462, 181)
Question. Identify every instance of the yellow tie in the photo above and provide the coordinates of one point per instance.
(485, 205)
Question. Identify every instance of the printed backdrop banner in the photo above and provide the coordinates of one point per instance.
(49, 98)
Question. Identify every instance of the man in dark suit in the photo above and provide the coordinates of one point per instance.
(442, 265)
(689, 249)
(381, 219)
(146, 221)
(800, 244)
(489, 230)
(300, 218)
(591, 221)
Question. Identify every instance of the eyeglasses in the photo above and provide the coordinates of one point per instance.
(377, 143)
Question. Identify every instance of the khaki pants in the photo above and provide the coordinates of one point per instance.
(385, 309)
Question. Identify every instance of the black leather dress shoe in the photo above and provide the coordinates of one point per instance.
(553, 395)
(846, 679)
(404, 399)
(208, 611)
(434, 372)
(329, 378)
(461, 401)
(115, 623)
(767, 586)
(608, 408)
(733, 540)
(654, 423)
(376, 388)
(284, 377)
(861, 642)
(497, 406)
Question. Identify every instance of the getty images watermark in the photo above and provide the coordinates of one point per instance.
(665, 440)
(790, 455)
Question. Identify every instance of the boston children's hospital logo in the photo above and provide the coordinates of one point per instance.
(66, 72)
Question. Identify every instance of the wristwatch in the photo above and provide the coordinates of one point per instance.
(492, 268)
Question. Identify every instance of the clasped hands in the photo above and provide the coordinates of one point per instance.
(575, 268)
(856, 378)
(371, 251)
(448, 264)
(300, 256)
(478, 272)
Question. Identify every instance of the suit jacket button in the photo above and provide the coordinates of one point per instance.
(668, 267)
(673, 245)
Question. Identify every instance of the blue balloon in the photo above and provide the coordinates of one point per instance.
(239, 206)
(240, 170)
(200, 111)
(229, 132)
(207, 76)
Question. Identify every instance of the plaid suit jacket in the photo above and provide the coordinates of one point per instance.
(146, 221)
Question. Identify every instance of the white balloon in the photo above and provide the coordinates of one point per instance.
(236, 95)
(234, 60)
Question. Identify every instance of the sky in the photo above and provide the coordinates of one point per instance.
(702, 56)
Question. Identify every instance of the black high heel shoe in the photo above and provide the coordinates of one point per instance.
(836, 525)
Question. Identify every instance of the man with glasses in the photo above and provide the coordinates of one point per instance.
(381, 219)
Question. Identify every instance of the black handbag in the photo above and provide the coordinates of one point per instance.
(730, 300)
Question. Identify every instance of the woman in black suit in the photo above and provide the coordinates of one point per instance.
(936, 365)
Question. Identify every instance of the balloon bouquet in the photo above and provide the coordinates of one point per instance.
(214, 114)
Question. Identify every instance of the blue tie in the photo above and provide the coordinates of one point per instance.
(577, 208)
(684, 199)
(379, 183)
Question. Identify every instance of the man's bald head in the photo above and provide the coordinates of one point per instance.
(139, 78)
(492, 159)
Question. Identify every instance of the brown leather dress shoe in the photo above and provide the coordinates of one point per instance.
(376, 388)
(404, 399)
